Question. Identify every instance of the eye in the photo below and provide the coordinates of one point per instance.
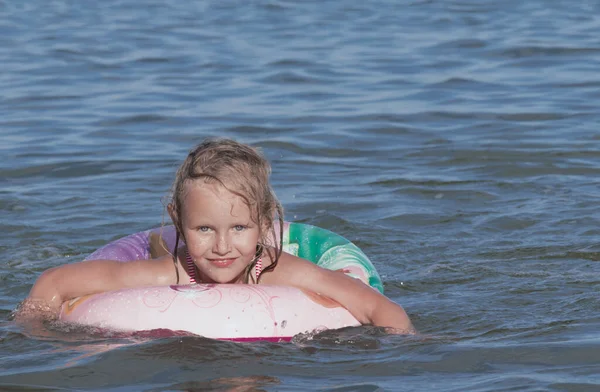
(239, 227)
(203, 229)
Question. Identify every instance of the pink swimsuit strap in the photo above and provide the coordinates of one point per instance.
(191, 267)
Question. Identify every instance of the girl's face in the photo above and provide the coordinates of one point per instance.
(220, 234)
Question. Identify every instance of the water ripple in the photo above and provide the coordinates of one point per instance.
(455, 142)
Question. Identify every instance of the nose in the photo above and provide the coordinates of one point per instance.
(222, 244)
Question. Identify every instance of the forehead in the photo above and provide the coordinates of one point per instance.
(211, 199)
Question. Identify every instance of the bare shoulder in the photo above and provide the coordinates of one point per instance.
(293, 271)
(303, 274)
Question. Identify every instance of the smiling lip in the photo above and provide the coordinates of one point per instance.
(222, 263)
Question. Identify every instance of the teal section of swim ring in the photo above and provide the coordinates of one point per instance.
(330, 250)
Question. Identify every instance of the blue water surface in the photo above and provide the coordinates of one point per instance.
(456, 142)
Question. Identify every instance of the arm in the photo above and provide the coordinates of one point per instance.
(366, 304)
(69, 281)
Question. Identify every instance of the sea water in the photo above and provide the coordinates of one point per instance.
(456, 142)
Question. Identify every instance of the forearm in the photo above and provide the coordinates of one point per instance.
(59, 284)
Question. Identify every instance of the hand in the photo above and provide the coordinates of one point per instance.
(34, 309)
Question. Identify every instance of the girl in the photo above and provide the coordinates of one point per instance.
(224, 209)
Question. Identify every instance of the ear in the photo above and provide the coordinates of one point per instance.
(266, 228)
(266, 232)
(173, 214)
(158, 246)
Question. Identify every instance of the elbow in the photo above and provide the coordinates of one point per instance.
(392, 317)
(45, 289)
(42, 303)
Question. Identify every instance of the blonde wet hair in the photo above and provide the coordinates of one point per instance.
(244, 171)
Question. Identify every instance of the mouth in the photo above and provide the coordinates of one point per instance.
(222, 263)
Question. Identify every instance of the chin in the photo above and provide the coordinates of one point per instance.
(227, 279)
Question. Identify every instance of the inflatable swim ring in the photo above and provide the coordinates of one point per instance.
(226, 311)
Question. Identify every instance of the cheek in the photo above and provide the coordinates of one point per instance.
(196, 241)
(246, 243)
